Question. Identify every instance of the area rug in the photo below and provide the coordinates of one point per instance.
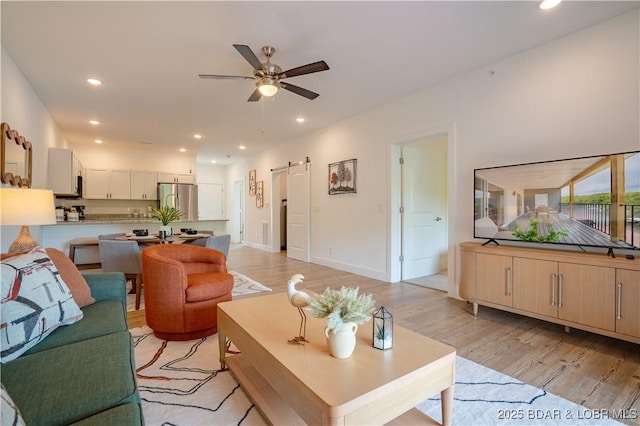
(180, 384)
(242, 286)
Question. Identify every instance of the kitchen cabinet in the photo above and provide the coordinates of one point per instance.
(164, 177)
(592, 292)
(144, 185)
(64, 168)
(108, 184)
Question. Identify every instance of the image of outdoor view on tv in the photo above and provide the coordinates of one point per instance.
(589, 202)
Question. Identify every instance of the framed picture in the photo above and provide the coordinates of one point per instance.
(252, 182)
(342, 177)
(259, 194)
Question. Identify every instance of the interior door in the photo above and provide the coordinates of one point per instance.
(424, 201)
(298, 207)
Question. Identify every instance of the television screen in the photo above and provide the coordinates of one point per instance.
(588, 202)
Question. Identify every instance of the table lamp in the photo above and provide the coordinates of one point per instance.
(23, 206)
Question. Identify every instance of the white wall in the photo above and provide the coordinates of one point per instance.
(576, 96)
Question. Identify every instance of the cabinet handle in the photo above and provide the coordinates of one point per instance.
(508, 270)
(560, 282)
(553, 289)
(619, 301)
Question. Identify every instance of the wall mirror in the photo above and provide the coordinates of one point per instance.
(17, 155)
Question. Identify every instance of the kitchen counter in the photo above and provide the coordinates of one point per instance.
(131, 220)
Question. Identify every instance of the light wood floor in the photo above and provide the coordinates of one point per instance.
(595, 371)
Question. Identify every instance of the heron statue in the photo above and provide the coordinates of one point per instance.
(299, 299)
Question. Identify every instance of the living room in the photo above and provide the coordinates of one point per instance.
(574, 96)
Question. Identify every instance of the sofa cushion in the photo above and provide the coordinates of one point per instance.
(9, 411)
(72, 277)
(35, 301)
(125, 414)
(208, 285)
(69, 383)
(101, 318)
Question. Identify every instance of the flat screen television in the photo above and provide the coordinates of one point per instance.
(587, 202)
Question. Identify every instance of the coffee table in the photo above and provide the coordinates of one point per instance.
(304, 384)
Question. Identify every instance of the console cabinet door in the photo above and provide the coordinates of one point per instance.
(535, 286)
(586, 295)
(493, 278)
(627, 302)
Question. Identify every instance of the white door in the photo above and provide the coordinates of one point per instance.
(424, 198)
(298, 206)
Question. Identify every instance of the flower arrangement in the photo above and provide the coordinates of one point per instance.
(342, 306)
(166, 214)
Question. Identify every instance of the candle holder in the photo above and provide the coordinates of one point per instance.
(382, 329)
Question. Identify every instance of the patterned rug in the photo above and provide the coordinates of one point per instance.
(242, 285)
(180, 384)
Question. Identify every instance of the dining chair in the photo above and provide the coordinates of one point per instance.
(111, 236)
(220, 243)
(123, 256)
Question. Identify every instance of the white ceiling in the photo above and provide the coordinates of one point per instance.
(149, 54)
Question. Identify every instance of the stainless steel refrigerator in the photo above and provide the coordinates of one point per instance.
(182, 196)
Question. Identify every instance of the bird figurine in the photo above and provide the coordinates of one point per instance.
(299, 299)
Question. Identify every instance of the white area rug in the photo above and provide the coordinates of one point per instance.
(242, 285)
(180, 384)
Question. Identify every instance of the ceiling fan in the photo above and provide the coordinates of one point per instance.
(269, 76)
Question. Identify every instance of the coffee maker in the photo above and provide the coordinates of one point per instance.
(80, 210)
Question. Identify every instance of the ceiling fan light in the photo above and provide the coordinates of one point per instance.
(268, 87)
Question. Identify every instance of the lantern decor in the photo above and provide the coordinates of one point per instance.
(382, 329)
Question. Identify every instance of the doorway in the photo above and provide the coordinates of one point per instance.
(237, 225)
(424, 248)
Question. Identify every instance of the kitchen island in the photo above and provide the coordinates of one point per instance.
(59, 235)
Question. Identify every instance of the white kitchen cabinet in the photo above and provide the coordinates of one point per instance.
(164, 177)
(144, 185)
(108, 184)
(64, 167)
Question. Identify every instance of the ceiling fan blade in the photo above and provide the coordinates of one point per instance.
(255, 96)
(299, 90)
(225, 77)
(305, 69)
(248, 54)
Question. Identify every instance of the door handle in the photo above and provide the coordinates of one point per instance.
(619, 302)
(553, 289)
(560, 290)
(438, 219)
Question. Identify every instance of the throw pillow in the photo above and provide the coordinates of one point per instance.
(9, 413)
(35, 301)
(72, 277)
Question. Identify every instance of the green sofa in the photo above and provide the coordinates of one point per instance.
(84, 373)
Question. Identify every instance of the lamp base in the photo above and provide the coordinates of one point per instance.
(24, 242)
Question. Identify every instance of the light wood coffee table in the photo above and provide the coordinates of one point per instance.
(304, 384)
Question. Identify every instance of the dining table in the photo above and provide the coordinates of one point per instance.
(175, 238)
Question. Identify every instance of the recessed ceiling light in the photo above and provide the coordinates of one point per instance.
(94, 122)
(183, 150)
(242, 147)
(94, 81)
(98, 141)
(300, 119)
(549, 4)
(197, 136)
(214, 161)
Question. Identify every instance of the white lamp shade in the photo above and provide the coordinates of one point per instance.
(27, 206)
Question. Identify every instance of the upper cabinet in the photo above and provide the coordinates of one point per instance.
(175, 178)
(64, 168)
(144, 185)
(108, 184)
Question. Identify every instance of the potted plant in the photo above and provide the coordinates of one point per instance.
(166, 214)
(344, 310)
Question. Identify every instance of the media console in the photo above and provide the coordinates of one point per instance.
(591, 292)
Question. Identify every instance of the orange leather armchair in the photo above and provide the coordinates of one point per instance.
(183, 285)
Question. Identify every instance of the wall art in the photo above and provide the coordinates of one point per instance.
(259, 194)
(252, 182)
(342, 177)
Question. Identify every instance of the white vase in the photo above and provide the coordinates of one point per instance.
(342, 341)
(167, 230)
